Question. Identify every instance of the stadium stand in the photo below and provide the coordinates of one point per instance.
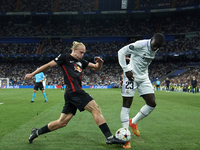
(57, 26)
(89, 5)
(25, 39)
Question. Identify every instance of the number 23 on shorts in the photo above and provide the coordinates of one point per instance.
(129, 85)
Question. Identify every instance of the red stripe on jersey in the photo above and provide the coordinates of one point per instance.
(70, 79)
(80, 87)
(81, 80)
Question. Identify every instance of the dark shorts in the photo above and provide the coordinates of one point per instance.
(38, 85)
(76, 100)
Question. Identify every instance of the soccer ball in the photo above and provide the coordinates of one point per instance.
(123, 134)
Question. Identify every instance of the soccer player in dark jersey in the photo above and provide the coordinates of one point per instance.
(194, 84)
(75, 97)
(167, 82)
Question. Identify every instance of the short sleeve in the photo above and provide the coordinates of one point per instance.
(61, 59)
(43, 75)
(84, 63)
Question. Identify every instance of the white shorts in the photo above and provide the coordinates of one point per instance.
(142, 86)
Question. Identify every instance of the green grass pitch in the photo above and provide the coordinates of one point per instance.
(173, 125)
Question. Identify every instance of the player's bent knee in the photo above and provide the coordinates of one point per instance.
(62, 124)
(152, 104)
(98, 109)
(95, 108)
(64, 119)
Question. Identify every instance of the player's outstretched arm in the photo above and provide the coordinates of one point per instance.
(41, 69)
(97, 66)
(122, 57)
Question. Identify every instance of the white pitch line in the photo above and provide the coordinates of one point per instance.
(1, 103)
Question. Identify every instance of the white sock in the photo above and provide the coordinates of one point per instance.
(144, 112)
(125, 117)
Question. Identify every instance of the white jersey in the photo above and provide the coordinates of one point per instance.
(141, 57)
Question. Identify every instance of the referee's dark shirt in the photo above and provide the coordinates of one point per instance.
(194, 82)
(167, 82)
(72, 70)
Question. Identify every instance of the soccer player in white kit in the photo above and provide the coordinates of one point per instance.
(136, 77)
(44, 82)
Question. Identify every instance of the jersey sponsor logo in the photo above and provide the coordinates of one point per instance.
(131, 47)
(77, 68)
(71, 61)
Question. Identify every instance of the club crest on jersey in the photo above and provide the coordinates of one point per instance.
(131, 47)
(79, 64)
(77, 68)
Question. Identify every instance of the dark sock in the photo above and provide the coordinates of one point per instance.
(43, 130)
(105, 129)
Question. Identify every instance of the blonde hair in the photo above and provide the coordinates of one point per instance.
(76, 44)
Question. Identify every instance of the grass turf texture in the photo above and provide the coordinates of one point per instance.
(173, 125)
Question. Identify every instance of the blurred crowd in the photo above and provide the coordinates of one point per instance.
(183, 81)
(182, 45)
(179, 45)
(23, 27)
(46, 6)
(116, 25)
(162, 4)
(109, 75)
(88, 5)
